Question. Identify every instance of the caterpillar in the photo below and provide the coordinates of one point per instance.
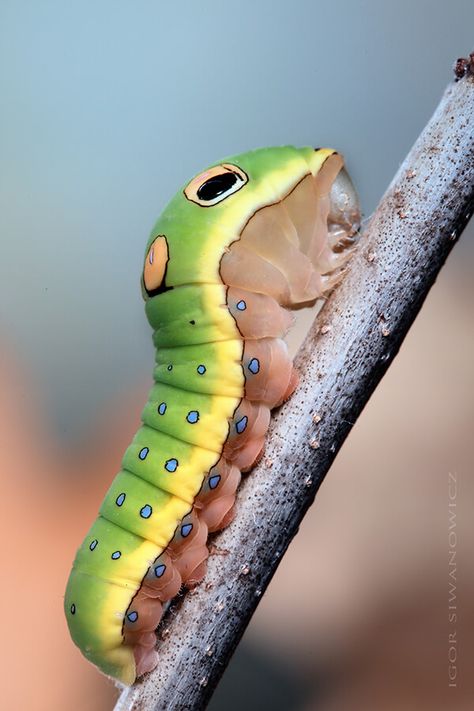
(242, 243)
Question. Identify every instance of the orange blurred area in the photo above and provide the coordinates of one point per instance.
(48, 498)
(357, 614)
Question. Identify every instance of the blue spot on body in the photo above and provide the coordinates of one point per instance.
(162, 408)
(254, 366)
(116, 555)
(93, 544)
(159, 570)
(146, 511)
(192, 417)
(73, 609)
(143, 452)
(214, 481)
(121, 497)
(186, 529)
(241, 305)
(132, 616)
(241, 424)
(201, 369)
(170, 367)
(171, 465)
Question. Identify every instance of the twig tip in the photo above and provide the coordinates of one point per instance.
(464, 66)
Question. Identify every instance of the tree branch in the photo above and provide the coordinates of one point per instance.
(349, 348)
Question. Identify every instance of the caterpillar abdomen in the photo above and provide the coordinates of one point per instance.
(245, 240)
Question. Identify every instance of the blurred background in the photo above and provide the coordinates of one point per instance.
(107, 108)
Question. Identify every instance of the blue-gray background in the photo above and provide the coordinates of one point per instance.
(106, 109)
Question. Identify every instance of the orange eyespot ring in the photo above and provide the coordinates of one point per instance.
(156, 262)
(215, 184)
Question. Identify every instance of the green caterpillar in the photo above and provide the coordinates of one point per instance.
(243, 241)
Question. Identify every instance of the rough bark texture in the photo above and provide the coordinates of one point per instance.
(348, 350)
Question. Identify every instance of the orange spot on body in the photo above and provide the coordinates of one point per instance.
(155, 264)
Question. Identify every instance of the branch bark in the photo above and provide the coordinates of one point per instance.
(350, 346)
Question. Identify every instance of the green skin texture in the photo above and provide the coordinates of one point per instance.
(196, 238)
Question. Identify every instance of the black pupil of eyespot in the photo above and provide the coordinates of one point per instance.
(216, 185)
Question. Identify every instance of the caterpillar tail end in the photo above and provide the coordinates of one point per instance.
(87, 602)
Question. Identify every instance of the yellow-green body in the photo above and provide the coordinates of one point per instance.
(198, 370)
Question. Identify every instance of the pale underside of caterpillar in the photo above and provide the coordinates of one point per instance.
(243, 242)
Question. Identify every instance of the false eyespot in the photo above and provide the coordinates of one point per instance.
(156, 262)
(215, 184)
